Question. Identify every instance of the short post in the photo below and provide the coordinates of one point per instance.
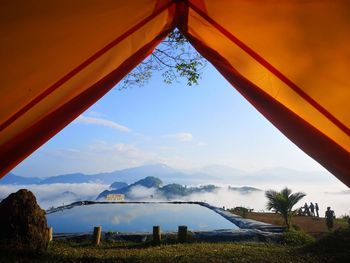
(156, 234)
(97, 235)
(182, 234)
(50, 233)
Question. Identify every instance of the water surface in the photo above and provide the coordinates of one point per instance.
(136, 218)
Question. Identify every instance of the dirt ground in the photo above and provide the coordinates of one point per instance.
(311, 225)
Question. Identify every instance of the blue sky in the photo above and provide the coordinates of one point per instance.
(184, 127)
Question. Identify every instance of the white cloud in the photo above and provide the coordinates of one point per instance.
(102, 122)
(48, 195)
(95, 114)
(202, 144)
(182, 136)
(98, 157)
(141, 192)
(57, 194)
(121, 151)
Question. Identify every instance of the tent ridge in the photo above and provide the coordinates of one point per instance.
(80, 67)
(273, 70)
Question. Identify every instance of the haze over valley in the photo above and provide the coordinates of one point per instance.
(225, 186)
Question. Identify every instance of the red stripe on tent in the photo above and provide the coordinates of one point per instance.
(181, 15)
(76, 70)
(313, 142)
(18, 148)
(273, 70)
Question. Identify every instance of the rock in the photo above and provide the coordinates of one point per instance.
(23, 223)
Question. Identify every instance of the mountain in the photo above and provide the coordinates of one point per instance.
(62, 196)
(169, 191)
(68, 179)
(130, 175)
(118, 185)
(148, 182)
(19, 180)
(221, 171)
(244, 189)
(164, 172)
(217, 174)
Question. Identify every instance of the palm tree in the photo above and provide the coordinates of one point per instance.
(283, 202)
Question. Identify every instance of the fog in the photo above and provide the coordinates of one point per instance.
(58, 194)
(338, 200)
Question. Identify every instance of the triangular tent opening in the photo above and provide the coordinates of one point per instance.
(288, 59)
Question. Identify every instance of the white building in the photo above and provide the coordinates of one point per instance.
(115, 197)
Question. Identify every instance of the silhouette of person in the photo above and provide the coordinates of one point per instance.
(312, 209)
(306, 210)
(329, 218)
(316, 208)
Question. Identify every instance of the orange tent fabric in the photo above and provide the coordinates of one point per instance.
(288, 58)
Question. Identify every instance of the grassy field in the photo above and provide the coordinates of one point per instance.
(314, 226)
(195, 252)
(332, 248)
(328, 248)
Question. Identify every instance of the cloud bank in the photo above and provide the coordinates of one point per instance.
(59, 194)
(102, 122)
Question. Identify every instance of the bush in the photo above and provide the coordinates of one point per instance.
(296, 227)
(241, 210)
(346, 218)
(296, 238)
(333, 242)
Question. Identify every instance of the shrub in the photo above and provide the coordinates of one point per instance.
(296, 238)
(346, 218)
(296, 227)
(333, 242)
(241, 210)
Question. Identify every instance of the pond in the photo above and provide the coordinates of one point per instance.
(136, 218)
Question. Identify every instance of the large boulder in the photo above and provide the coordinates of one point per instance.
(23, 223)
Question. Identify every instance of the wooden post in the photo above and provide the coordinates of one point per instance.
(50, 233)
(97, 235)
(182, 234)
(156, 234)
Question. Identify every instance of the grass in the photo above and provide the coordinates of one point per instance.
(315, 226)
(117, 251)
(297, 247)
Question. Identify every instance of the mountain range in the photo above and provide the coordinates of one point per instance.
(160, 191)
(205, 175)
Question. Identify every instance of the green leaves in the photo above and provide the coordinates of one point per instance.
(189, 71)
(175, 58)
(282, 202)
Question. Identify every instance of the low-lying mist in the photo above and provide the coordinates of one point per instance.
(54, 195)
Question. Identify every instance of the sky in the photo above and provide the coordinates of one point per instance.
(182, 126)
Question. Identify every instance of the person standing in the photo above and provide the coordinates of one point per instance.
(306, 210)
(329, 218)
(316, 209)
(312, 209)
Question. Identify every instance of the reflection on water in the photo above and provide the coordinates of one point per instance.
(136, 218)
